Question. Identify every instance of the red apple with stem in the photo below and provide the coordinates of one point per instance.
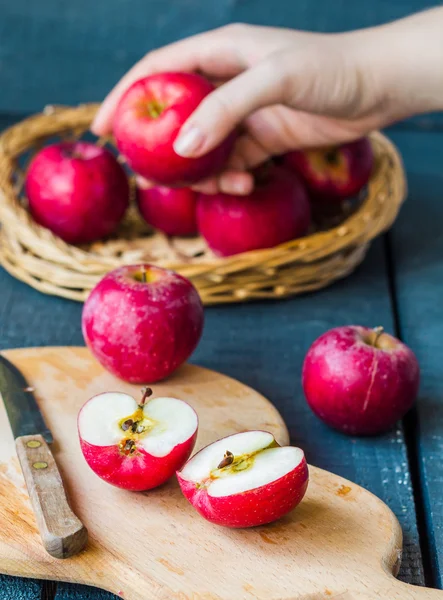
(147, 121)
(170, 210)
(245, 480)
(335, 173)
(360, 380)
(275, 212)
(142, 322)
(136, 446)
(77, 190)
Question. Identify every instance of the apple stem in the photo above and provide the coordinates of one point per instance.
(378, 332)
(147, 392)
(143, 269)
(332, 156)
(228, 459)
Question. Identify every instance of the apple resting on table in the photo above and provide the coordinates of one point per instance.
(136, 446)
(360, 380)
(148, 119)
(275, 212)
(171, 210)
(333, 174)
(77, 190)
(245, 480)
(142, 322)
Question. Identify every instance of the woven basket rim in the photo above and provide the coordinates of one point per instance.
(375, 214)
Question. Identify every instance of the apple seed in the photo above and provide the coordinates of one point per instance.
(228, 459)
(127, 424)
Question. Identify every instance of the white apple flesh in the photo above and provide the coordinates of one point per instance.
(136, 446)
(245, 480)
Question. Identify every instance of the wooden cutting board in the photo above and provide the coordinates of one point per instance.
(341, 542)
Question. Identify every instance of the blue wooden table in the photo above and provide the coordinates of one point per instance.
(65, 52)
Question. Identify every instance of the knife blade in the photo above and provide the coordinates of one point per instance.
(21, 406)
(62, 533)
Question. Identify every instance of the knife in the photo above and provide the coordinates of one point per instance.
(62, 533)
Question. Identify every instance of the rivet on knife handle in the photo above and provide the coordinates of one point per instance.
(62, 533)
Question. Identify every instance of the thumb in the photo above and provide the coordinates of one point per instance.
(226, 107)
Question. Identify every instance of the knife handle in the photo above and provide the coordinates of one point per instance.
(62, 533)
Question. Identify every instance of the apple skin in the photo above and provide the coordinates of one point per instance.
(142, 332)
(252, 508)
(137, 473)
(355, 387)
(146, 123)
(333, 174)
(275, 212)
(77, 190)
(170, 210)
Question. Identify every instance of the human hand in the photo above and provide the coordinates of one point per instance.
(288, 89)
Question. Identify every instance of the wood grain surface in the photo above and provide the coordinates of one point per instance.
(417, 251)
(342, 541)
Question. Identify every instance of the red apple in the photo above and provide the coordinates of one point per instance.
(142, 322)
(148, 119)
(245, 480)
(276, 211)
(77, 190)
(360, 380)
(171, 210)
(136, 446)
(333, 174)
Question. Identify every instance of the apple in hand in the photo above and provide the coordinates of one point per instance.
(171, 210)
(136, 446)
(275, 212)
(77, 190)
(360, 380)
(142, 322)
(333, 174)
(148, 119)
(245, 480)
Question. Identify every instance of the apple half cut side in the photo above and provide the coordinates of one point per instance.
(245, 480)
(136, 446)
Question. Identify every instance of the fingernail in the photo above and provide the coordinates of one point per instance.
(239, 188)
(189, 140)
(141, 183)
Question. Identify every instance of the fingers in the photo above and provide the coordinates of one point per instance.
(227, 106)
(169, 58)
(237, 183)
(212, 53)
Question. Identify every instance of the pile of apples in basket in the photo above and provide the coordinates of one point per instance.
(80, 192)
(142, 322)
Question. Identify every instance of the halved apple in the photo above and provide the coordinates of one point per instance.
(136, 446)
(245, 480)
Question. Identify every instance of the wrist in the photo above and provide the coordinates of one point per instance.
(406, 59)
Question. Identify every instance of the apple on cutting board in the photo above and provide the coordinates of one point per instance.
(245, 480)
(136, 446)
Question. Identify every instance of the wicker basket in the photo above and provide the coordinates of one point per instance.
(37, 257)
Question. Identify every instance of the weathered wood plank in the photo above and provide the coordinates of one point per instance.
(418, 251)
(13, 588)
